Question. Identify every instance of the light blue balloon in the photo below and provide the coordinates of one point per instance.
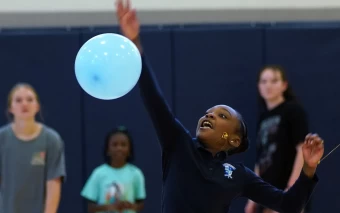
(108, 66)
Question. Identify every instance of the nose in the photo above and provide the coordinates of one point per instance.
(210, 115)
(120, 148)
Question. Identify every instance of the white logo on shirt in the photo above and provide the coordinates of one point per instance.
(228, 170)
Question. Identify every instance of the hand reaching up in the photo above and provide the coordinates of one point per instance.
(127, 18)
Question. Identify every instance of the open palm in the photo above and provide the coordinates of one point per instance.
(127, 17)
(313, 150)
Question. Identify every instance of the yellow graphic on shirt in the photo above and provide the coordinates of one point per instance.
(38, 158)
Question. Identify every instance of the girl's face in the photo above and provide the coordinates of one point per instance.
(119, 147)
(216, 122)
(271, 86)
(23, 104)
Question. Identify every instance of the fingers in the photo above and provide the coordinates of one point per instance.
(122, 7)
(128, 5)
(313, 143)
(313, 139)
(130, 15)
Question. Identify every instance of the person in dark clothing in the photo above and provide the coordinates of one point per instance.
(282, 127)
(197, 174)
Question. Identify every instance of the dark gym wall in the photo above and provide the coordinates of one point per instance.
(197, 67)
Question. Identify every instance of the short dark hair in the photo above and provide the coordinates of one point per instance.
(118, 130)
(242, 131)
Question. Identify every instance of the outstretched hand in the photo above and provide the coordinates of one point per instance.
(313, 150)
(127, 18)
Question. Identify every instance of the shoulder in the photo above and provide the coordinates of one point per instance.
(295, 111)
(100, 171)
(4, 133)
(294, 107)
(51, 133)
(239, 170)
(103, 168)
(5, 129)
(135, 170)
(53, 137)
(234, 165)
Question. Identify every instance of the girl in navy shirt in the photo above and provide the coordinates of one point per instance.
(197, 175)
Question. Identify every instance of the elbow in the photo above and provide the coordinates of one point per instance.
(91, 208)
(141, 207)
(138, 206)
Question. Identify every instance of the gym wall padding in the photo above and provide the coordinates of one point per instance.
(197, 67)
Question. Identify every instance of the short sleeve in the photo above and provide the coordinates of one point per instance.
(298, 123)
(91, 188)
(1, 143)
(56, 167)
(140, 186)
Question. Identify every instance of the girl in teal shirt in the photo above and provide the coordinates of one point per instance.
(117, 185)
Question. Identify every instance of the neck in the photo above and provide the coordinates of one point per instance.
(213, 152)
(118, 164)
(28, 126)
(271, 104)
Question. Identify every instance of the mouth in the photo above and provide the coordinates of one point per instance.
(206, 125)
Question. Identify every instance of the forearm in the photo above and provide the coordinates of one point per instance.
(138, 44)
(292, 201)
(257, 170)
(156, 105)
(53, 191)
(93, 208)
(138, 206)
(298, 165)
(151, 92)
(301, 189)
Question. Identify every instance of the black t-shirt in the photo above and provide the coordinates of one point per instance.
(280, 130)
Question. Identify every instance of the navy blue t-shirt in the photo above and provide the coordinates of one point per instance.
(196, 182)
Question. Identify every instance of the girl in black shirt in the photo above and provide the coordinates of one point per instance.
(282, 127)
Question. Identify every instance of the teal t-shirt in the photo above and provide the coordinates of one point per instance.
(107, 184)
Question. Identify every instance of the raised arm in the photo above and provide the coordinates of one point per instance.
(167, 127)
(295, 199)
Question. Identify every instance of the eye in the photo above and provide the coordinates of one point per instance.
(18, 100)
(223, 116)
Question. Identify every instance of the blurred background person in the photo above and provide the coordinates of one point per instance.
(282, 128)
(117, 185)
(32, 164)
